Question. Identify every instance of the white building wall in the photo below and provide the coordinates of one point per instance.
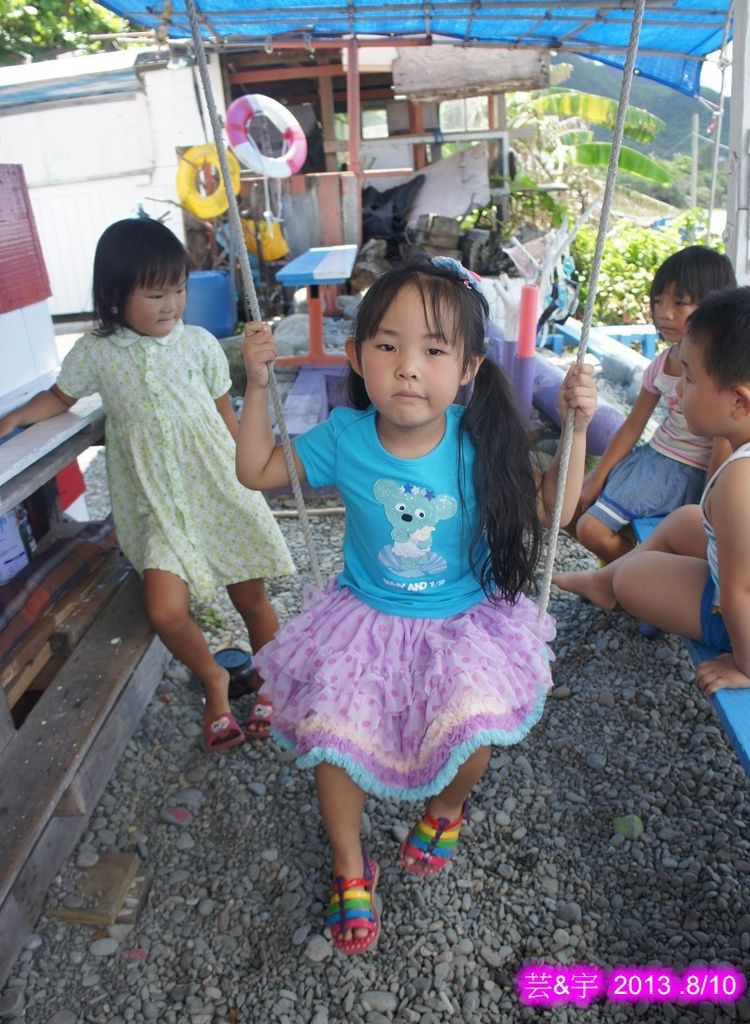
(88, 164)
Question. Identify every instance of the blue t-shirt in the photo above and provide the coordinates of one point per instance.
(407, 534)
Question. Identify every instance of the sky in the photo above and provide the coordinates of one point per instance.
(711, 74)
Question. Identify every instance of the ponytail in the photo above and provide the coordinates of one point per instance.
(506, 492)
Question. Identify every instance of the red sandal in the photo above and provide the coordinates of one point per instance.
(431, 843)
(222, 733)
(351, 905)
(258, 725)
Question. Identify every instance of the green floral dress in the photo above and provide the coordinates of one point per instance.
(176, 501)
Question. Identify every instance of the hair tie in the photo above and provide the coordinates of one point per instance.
(466, 277)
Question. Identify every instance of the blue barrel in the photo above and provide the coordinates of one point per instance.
(211, 302)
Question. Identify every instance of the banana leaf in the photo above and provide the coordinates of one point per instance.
(596, 154)
(640, 125)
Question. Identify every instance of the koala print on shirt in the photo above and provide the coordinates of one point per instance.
(413, 513)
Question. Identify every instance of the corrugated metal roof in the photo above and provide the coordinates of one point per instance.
(675, 32)
(104, 83)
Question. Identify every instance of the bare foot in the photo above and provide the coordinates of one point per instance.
(720, 674)
(595, 585)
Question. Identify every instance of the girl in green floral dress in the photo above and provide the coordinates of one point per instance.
(182, 518)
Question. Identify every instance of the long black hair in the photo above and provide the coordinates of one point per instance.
(504, 484)
(132, 253)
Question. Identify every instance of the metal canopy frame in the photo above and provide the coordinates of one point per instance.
(676, 34)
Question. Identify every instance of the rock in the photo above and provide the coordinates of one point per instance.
(318, 949)
(380, 1002)
(11, 1003)
(629, 826)
(104, 947)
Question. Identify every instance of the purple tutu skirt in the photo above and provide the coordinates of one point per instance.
(401, 703)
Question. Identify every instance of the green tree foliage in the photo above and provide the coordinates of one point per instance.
(32, 32)
(630, 259)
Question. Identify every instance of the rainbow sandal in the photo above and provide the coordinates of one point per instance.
(431, 843)
(351, 905)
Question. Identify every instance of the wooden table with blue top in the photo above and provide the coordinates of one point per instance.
(323, 265)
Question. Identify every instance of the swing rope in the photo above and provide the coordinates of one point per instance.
(566, 440)
(252, 309)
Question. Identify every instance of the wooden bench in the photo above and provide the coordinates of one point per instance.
(625, 334)
(732, 706)
(54, 768)
(97, 663)
(323, 265)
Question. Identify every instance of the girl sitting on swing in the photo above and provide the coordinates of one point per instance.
(399, 678)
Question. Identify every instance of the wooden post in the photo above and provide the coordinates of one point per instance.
(416, 127)
(327, 119)
(353, 106)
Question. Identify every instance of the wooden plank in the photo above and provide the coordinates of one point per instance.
(450, 71)
(307, 402)
(64, 623)
(41, 438)
(21, 907)
(15, 690)
(27, 650)
(107, 748)
(7, 728)
(31, 478)
(16, 924)
(99, 589)
(104, 887)
(733, 708)
(330, 209)
(61, 728)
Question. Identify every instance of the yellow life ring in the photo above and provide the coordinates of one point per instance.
(191, 164)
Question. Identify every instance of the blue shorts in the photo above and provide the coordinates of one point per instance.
(646, 483)
(713, 631)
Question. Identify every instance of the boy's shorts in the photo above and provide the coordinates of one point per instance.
(713, 631)
(646, 483)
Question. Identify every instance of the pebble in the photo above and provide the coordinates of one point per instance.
(104, 947)
(11, 1003)
(381, 1002)
(629, 826)
(87, 856)
(233, 927)
(318, 949)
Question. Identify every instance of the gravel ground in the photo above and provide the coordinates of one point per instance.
(232, 931)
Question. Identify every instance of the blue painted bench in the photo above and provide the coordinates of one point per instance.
(732, 706)
(627, 334)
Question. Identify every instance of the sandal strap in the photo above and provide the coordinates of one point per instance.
(350, 904)
(435, 837)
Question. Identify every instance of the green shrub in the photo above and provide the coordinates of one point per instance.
(631, 256)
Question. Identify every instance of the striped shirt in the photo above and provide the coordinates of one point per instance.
(672, 437)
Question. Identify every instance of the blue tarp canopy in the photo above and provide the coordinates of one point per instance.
(675, 34)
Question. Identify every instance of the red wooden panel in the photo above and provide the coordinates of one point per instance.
(23, 276)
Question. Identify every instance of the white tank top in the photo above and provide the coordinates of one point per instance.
(743, 452)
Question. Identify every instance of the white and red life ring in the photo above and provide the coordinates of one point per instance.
(239, 115)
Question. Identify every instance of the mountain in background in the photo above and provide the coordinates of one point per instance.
(674, 108)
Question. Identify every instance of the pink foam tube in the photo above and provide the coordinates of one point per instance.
(527, 319)
(547, 379)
